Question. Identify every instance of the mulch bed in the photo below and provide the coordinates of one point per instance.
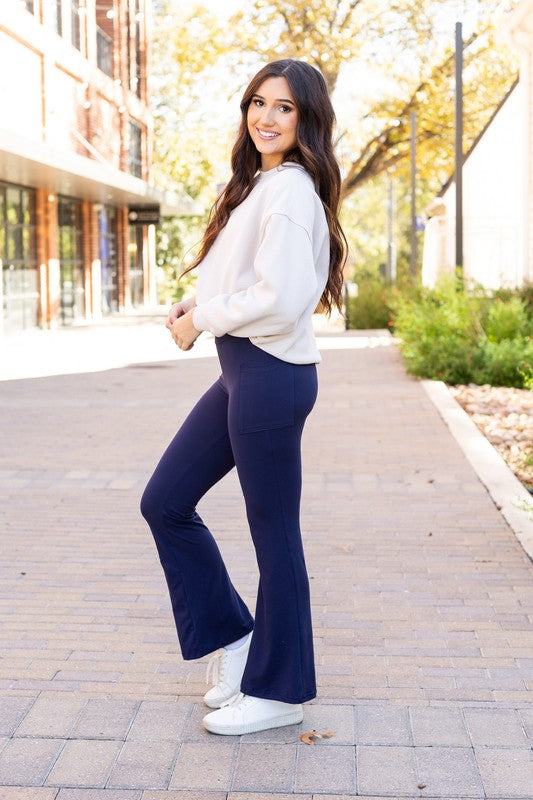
(505, 416)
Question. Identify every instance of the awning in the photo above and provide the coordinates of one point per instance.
(39, 165)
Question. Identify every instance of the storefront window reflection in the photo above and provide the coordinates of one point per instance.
(107, 229)
(71, 259)
(20, 285)
(135, 250)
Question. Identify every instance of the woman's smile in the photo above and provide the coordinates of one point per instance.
(272, 118)
(267, 134)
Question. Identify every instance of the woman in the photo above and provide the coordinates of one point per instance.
(273, 249)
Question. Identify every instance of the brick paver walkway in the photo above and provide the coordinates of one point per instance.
(422, 600)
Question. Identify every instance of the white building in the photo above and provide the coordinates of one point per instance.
(497, 187)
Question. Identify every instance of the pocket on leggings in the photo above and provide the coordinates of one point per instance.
(266, 398)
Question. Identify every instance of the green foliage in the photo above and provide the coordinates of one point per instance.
(465, 336)
(438, 330)
(172, 237)
(506, 320)
(370, 308)
(527, 377)
(508, 362)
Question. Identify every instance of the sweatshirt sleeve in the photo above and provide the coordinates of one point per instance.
(286, 283)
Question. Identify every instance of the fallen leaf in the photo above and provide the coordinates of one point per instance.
(421, 785)
(310, 737)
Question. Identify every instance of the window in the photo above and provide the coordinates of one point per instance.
(104, 52)
(71, 259)
(134, 34)
(58, 17)
(137, 75)
(105, 33)
(135, 150)
(108, 237)
(135, 250)
(18, 257)
(75, 37)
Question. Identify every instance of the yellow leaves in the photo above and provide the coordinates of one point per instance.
(310, 737)
(393, 58)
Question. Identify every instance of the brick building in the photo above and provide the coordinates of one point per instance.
(75, 158)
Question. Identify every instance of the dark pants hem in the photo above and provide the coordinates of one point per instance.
(208, 649)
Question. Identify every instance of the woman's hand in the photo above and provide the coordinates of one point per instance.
(183, 331)
(178, 310)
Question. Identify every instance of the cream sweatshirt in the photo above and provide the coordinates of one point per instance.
(265, 273)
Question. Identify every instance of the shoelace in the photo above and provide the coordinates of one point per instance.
(215, 667)
(243, 699)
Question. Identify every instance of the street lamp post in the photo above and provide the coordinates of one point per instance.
(413, 262)
(459, 152)
(390, 274)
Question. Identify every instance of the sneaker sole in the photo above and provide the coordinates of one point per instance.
(252, 727)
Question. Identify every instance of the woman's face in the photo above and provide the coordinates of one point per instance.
(272, 119)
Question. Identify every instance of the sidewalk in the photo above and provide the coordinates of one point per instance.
(422, 595)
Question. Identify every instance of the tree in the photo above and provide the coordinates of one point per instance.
(380, 60)
(407, 43)
(185, 151)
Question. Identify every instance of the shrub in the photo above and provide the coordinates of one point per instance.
(508, 362)
(455, 335)
(439, 330)
(466, 336)
(370, 308)
(506, 320)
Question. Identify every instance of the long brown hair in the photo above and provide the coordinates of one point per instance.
(313, 150)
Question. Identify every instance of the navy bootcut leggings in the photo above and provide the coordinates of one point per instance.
(252, 417)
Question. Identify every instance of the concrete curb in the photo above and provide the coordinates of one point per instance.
(510, 497)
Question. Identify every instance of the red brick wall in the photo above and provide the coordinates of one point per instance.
(72, 100)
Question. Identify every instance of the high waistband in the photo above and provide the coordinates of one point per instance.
(240, 350)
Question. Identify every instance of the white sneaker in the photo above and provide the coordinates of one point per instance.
(225, 669)
(244, 713)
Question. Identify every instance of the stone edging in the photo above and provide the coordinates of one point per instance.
(510, 497)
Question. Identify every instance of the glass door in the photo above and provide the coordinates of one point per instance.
(19, 258)
(135, 250)
(107, 228)
(71, 259)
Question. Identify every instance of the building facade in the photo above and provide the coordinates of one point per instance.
(493, 219)
(518, 32)
(497, 185)
(77, 207)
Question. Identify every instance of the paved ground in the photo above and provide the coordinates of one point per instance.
(422, 598)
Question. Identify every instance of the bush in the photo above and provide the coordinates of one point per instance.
(439, 331)
(466, 337)
(506, 320)
(508, 362)
(370, 309)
